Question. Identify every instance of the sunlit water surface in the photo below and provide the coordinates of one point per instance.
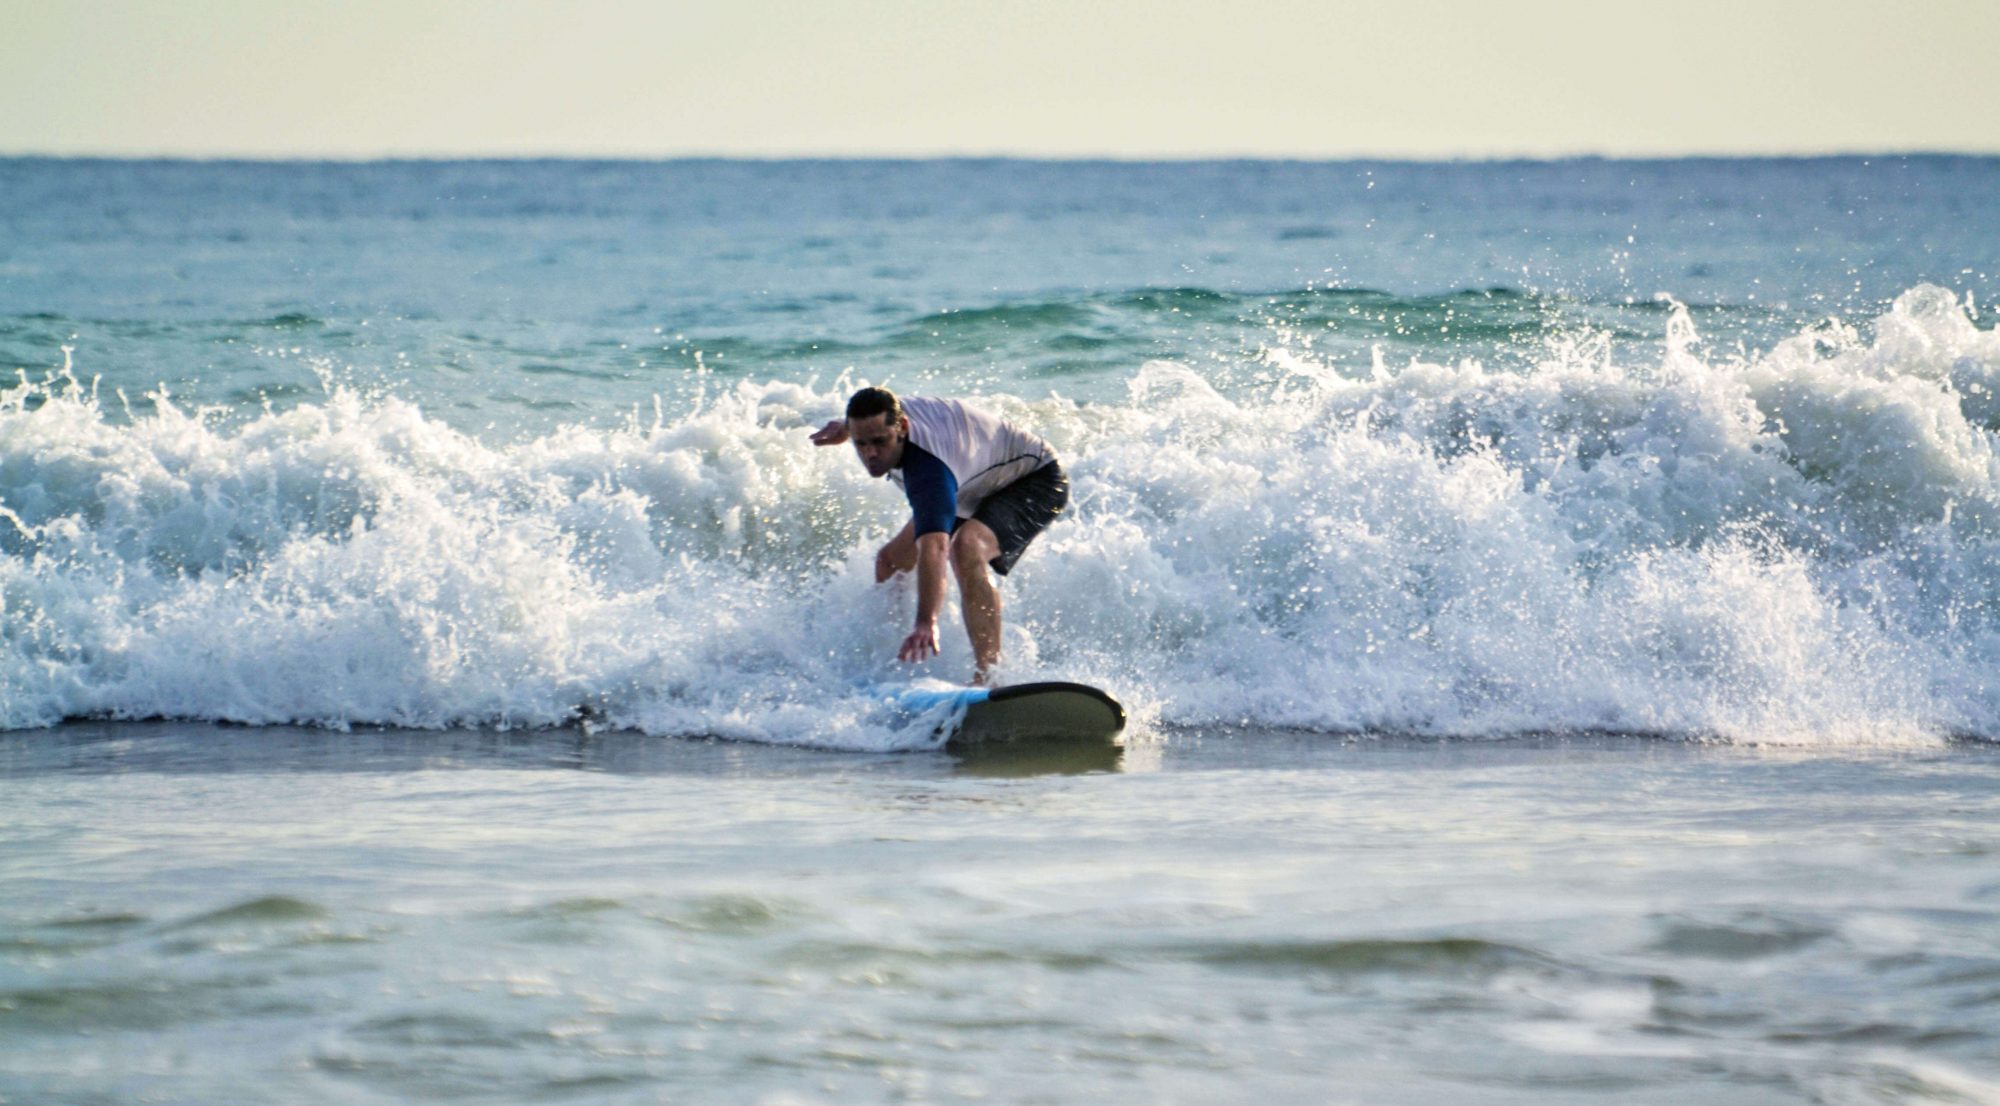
(200, 914)
(386, 480)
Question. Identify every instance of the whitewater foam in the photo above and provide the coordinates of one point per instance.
(1797, 545)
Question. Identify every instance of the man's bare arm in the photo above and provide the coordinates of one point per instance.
(900, 555)
(933, 549)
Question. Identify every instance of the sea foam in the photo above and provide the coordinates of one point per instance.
(1792, 545)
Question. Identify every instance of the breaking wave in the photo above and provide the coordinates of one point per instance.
(1800, 544)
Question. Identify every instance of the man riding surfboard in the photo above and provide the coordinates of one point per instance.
(980, 489)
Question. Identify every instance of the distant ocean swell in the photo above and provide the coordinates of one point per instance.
(1067, 341)
(1796, 544)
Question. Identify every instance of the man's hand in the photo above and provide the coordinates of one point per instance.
(921, 643)
(833, 433)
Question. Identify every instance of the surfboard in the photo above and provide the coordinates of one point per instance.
(1054, 711)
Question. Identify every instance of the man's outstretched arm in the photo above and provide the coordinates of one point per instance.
(933, 550)
(833, 433)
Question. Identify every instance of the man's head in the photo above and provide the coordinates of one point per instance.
(878, 428)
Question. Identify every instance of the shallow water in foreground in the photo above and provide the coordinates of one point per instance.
(203, 914)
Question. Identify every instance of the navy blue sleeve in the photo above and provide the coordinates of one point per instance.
(932, 489)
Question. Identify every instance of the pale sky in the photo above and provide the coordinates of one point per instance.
(1117, 78)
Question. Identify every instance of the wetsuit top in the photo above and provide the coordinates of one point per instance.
(956, 457)
(931, 489)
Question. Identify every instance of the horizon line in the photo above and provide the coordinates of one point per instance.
(1050, 158)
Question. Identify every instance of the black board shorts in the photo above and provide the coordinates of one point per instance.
(1023, 509)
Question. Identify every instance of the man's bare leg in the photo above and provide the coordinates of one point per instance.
(971, 548)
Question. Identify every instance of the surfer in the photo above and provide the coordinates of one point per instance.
(980, 489)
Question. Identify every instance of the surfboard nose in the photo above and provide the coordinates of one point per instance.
(1070, 712)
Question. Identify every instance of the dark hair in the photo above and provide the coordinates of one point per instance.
(869, 402)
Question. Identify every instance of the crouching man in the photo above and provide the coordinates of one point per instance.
(980, 489)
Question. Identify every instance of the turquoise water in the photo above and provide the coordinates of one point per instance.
(1557, 605)
(533, 294)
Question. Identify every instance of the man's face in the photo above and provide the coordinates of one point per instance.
(878, 441)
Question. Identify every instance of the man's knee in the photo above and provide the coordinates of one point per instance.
(970, 550)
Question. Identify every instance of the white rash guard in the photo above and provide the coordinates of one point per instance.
(982, 452)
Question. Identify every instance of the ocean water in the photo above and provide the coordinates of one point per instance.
(1558, 605)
